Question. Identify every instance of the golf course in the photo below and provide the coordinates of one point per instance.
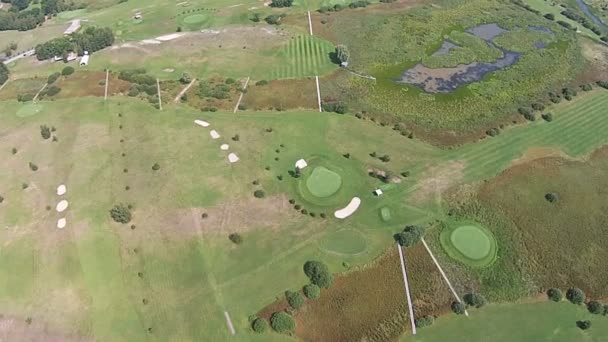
(303, 170)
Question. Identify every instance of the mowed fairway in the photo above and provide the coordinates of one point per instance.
(305, 56)
(529, 322)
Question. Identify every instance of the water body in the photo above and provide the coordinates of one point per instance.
(582, 5)
(541, 29)
(446, 80)
(445, 48)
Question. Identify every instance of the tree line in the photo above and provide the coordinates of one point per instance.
(91, 39)
(3, 73)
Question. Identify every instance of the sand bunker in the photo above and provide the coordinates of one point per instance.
(201, 123)
(61, 223)
(233, 158)
(224, 147)
(214, 134)
(349, 209)
(62, 206)
(168, 37)
(61, 190)
(150, 41)
(301, 164)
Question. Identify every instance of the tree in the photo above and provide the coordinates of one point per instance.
(259, 325)
(550, 16)
(554, 295)
(236, 238)
(20, 4)
(155, 167)
(551, 197)
(312, 291)
(294, 299)
(318, 273)
(575, 295)
(185, 79)
(274, 19)
(45, 132)
(474, 299)
(583, 324)
(282, 322)
(409, 236)
(458, 308)
(259, 194)
(281, 3)
(121, 213)
(1, 199)
(33, 167)
(68, 70)
(595, 307)
(342, 53)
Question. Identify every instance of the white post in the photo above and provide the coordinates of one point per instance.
(309, 23)
(318, 93)
(407, 290)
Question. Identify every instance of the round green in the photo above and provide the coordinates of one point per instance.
(469, 243)
(195, 19)
(323, 182)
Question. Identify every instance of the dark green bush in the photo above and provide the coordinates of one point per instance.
(259, 194)
(236, 238)
(282, 322)
(554, 295)
(312, 291)
(121, 213)
(409, 236)
(68, 70)
(595, 307)
(575, 295)
(259, 325)
(474, 299)
(295, 299)
(318, 273)
(458, 308)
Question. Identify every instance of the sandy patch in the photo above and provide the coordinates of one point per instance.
(201, 123)
(17, 329)
(61, 223)
(61, 190)
(168, 37)
(214, 134)
(438, 179)
(150, 41)
(62, 206)
(169, 70)
(224, 147)
(233, 158)
(349, 209)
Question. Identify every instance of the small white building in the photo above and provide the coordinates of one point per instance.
(378, 192)
(84, 60)
(301, 164)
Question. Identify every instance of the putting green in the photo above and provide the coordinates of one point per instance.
(195, 19)
(385, 214)
(29, 110)
(344, 241)
(469, 243)
(323, 182)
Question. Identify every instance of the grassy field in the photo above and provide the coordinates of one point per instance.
(29, 39)
(526, 322)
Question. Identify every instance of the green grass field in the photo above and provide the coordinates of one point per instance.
(305, 56)
(529, 322)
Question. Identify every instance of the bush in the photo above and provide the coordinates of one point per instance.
(530, 117)
(583, 324)
(524, 111)
(185, 79)
(587, 87)
(425, 321)
(52, 78)
(318, 273)
(155, 167)
(281, 3)
(312, 291)
(282, 322)
(261, 83)
(121, 213)
(595, 307)
(575, 295)
(550, 16)
(229, 80)
(294, 299)
(45, 132)
(259, 194)
(335, 107)
(14, 150)
(33, 167)
(51, 91)
(259, 325)
(68, 70)
(405, 174)
(554, 295)
(474, 299)
(551, 197)
(236, 238)
(458, 308)
(409, 236)
(274, 19)
(1, 199)
(538, 106)
(492, 132)
(603, 84)
(547, 117)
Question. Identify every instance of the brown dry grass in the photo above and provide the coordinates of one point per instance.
(281, 95)
(438, 179)
(89, 83)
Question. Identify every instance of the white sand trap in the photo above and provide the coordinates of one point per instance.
(61, 190)
(214, 134)
(61, 223)
(224, 147)
(349, 209)
(301, 164)
(168, 37)
(201, 123)
(233, 158)
(62, 206)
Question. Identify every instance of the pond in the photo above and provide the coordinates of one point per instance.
(582, 5)
(446, 80)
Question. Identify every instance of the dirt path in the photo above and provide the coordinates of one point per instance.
(39, 91)
(181, 93)
(105, 94)
(407, 290)
(238, 103)
(445, 277)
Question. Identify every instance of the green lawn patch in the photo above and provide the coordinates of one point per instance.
(344, 241)
(195, 19)
(469, 243)
(29, 110)
(323, 182)
(385, 214)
